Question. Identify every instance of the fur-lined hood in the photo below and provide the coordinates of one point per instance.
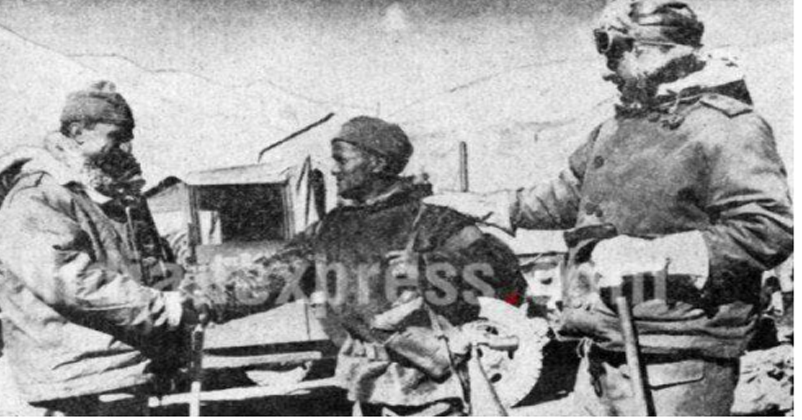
(49, 159)
(721, 74)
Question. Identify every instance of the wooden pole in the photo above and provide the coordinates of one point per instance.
(463, 167)
(633, 357)
(484, 399)
(193, 224)
(196, 369)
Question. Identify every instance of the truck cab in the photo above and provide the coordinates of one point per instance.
(223, 219)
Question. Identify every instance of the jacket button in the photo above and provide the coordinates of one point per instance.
(598, 161)
(591, 208)
(599, 213)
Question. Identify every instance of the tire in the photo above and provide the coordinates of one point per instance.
(513, 373)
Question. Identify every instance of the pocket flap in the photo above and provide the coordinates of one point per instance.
(675, 373)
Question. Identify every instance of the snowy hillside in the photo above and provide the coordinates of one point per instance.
(212, 84)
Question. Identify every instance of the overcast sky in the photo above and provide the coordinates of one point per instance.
(353, 51)
(471, 67)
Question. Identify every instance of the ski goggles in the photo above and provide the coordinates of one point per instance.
(613, 42)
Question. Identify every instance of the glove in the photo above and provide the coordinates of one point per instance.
(422, 348)
(624, 256)
(491, 209)
(462, 338)
(626, 264)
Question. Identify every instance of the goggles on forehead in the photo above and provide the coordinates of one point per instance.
(616, 42)
(608, 41)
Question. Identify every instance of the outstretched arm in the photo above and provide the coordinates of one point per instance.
(548, 205)
(267, 283)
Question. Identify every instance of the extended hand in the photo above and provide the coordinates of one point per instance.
(490, 209)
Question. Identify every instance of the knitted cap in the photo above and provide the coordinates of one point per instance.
(99, 102)
(379, 137)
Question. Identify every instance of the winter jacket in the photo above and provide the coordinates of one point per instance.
(76, 319)
(390, 353)
(699, 169)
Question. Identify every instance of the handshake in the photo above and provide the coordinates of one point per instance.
(208, 296)
(202, 300)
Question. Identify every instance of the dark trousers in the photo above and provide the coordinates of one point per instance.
(676, 386)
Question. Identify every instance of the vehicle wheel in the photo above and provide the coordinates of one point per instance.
(513, 373)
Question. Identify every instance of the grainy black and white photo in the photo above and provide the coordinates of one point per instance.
(396, 208)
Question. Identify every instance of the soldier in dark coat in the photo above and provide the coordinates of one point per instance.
(393, 280)
(689, 175)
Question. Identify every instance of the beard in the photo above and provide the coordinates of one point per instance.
(115, 174)
(350, 189)
(639, 81)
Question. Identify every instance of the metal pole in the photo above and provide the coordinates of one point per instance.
(293, 135)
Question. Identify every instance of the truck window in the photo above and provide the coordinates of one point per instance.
(241, 213)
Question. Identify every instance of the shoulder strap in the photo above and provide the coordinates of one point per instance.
(8, 179)
(728, 106)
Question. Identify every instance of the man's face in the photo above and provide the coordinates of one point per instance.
(107, 147)
(103, 140)
(643, 65)
(637, 62)
(354, 169)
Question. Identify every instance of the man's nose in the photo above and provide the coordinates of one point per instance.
(614, 62)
